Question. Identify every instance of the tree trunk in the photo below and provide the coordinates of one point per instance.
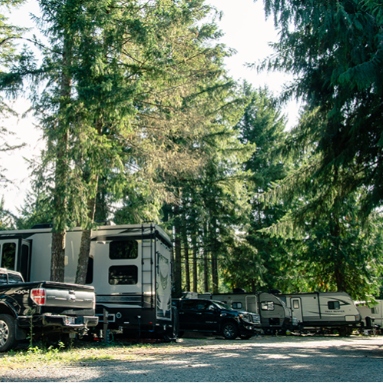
(83, 257)
(214, 258)
(206, 271)
(62, 170)
(178, 256)
(214, 271)
(58, 256)
(206, 247)
(195, 269)
(186, 255)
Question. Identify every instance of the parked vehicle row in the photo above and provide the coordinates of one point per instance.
(129, 270)
(325, 312)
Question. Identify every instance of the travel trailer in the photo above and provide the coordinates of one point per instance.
(274, 314)
(323, 311)
(372, 314)
(129, 267)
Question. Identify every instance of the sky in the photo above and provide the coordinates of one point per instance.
(245, 30)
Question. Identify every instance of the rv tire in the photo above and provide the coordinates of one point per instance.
(7, 332)
(345, 331)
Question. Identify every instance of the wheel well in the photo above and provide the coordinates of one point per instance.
(6, 310)
(229, 321)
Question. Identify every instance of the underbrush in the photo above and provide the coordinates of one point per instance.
(74, 353)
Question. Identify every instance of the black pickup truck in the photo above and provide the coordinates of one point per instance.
(42, 308)
(209, 316)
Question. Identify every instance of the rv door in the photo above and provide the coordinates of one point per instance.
(15, 254)
(251, 303)
(296, 309)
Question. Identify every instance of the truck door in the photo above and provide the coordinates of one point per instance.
(210, 315)
(188, 315)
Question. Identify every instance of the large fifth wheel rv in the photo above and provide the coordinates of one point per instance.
(129, 267)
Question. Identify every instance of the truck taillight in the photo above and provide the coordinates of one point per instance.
(38, 296)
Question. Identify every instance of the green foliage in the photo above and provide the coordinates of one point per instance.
(334, 51)
(37, 209)
(263, 125)
(7, 220)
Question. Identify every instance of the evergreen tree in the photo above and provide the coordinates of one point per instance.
(9, 35)
(334, 49)
(132, 79)
(214, 205)
(263, 125)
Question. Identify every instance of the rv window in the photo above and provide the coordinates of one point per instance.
(123, 275)
(374, 310)
(8, 256)
(295, 304)
(269, 306)
(123, 250)
(194, 305)
(236, 305)
(333, 305)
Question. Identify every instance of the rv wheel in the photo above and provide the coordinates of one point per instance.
(7, 332)
(230, 330)
(345, 331)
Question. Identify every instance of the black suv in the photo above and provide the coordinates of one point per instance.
(205, 315)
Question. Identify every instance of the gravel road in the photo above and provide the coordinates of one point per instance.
(200, 359)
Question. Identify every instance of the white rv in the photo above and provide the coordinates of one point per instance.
(274, 314)
(129, 267)
(324, 311)
(372, 314)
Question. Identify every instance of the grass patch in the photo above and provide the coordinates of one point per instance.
(79, 353)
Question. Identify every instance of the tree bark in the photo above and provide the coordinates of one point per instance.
(58, 256)
(83, 256)
(186, 255)
(62, 170)
(195, 269)
(178, 256)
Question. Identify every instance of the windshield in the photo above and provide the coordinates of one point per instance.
(222, 305)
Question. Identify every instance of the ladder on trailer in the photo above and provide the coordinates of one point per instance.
(147, 269)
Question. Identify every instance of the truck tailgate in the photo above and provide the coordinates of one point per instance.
(68, 296)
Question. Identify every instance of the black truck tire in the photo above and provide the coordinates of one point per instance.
(230, 330)
(7, 332)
